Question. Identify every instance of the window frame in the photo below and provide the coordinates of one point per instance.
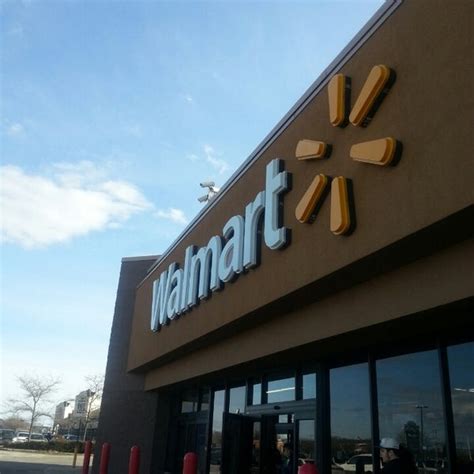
(319, 408)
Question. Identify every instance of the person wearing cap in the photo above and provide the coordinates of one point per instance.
(396, 458)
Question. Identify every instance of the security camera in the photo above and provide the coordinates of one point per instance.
(203, 198)
(207, 184)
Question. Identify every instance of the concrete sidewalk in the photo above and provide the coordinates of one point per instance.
(15, 461)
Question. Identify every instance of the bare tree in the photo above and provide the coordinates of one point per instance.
(36, 393)
(95, 387)
(14, 422)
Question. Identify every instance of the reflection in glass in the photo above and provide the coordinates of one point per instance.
(306, 441)
(350, 416)
(284, 418)
(189, 400)
(205, 394)
(281, 390)
(201, 444)
(309, 386)
(284, 445)
(461, 374)
(216, 440)
(237, 400)
(410, 405)
(256, 394)
(255, 466)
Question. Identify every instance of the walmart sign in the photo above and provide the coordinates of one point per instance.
(206, 269)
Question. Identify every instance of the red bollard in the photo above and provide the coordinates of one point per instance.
(104, 459)
(190, 463)
(87, 457)
(308, 469)
(134, 464)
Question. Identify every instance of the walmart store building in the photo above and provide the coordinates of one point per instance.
(324, 298)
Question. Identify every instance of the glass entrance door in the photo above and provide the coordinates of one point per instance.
(192, 438)
(266, 444)
(285, 444)
(238, 444)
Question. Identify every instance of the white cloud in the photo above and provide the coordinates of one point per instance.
(188, 98)
(220, 165)
(208, 149)
(175, 215)
(80, 174)
(77, 199)
(192, 157)
(15, 130)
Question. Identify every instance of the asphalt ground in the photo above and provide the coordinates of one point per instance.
(27, 462)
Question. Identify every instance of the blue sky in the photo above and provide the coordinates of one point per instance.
(111, 114)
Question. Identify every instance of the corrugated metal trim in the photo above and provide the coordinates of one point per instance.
(136, 259)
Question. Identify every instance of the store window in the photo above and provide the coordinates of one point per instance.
(410, 405)
(351, 440)
(309, 386)
(461, 374)
(237, 399)
(306, 442)
(216, 437)
(286, 418)
(189, 401)
(281, 389)
(256, 393)
(204, 397)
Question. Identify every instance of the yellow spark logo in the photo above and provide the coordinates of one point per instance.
(381, 152)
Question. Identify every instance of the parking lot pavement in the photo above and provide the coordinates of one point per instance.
(14, 461)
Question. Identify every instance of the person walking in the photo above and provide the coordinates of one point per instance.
(396, 458)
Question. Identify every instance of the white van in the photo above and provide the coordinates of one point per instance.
(21, 437)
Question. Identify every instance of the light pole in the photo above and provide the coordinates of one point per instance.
(421, 407)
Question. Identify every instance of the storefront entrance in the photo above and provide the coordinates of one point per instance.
(334, 416)
(263, 442)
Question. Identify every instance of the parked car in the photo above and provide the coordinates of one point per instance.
(425, 468)
(6, 436)
(351, 464)
(21, 437)
(335, 468)
(70, 437)
(38, 438)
